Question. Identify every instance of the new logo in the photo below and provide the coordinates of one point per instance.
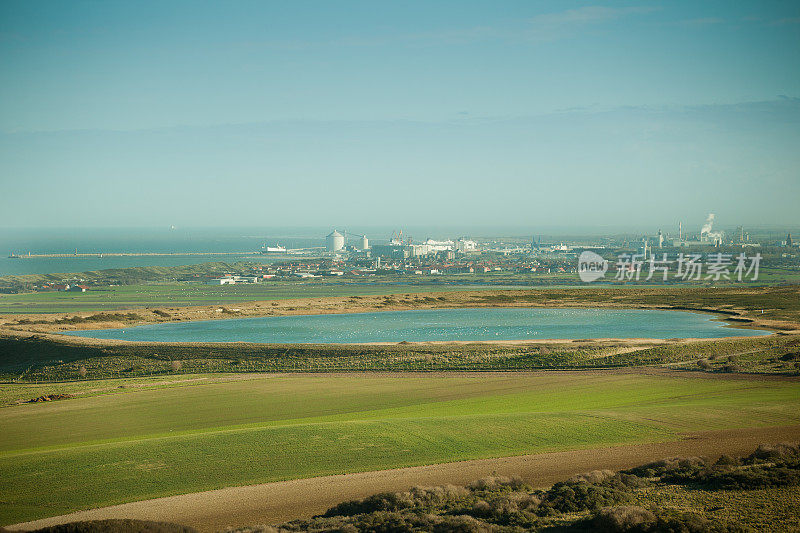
(591, 266)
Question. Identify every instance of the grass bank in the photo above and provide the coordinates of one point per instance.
(49, 359)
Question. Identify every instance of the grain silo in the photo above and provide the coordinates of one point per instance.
(363, 243)
(335, 241)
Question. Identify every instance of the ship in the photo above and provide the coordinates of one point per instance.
(278, 249)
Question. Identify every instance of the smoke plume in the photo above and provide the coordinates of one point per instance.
(708, 224)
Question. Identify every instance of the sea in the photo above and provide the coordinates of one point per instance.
(188, 240)
(138, 240)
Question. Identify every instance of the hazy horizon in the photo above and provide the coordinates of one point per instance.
(518, 114)
(418, 232)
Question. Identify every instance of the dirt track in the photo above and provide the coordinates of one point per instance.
(281, 501)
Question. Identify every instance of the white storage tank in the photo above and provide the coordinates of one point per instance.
(335, 241)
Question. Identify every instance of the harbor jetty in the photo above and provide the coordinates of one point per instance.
(123, 254)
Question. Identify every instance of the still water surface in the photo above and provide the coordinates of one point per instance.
(437, 325)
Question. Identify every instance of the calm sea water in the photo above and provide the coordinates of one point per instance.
(149, 240)
(437, 325)
(180, 240)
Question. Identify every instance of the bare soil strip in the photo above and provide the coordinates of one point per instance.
(277, 502)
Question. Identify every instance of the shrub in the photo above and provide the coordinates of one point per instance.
(481, 508)
(494, 483)
(428, 497)
(625, 518)
(573, 497)
(726, 460)
(461, 524)
(595, 476)
(385, 501)
(254, 529)
(704, 364)
(99, 317)
(674, 465)
(50, 398)
(773, 452)
(515, 509)
(768, 466)
(750, 478)
(118, 526)
(175, 365)
(382, 523)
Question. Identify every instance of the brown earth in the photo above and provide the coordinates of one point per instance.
(281, 501)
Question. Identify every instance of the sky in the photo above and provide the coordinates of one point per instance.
(506, 113)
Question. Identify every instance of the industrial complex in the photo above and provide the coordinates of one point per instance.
(348, 254)
(399, 247)
(396, 247)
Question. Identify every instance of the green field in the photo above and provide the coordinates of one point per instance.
(161, 439)
(194, 293)
(176, 294)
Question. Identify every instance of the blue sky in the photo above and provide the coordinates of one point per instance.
(291, 113)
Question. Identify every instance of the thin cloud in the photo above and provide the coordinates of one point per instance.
(554, 26)
(707, 21)
(544, 27)
(786, 21)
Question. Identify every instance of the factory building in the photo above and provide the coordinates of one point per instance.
(221, 281)
(465, 245)
(707, 237)
(232, 280)
(397, 249)
(392, 250)
(439, 246)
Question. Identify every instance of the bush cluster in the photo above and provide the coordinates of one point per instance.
(768, 466)
(494, 503)
(595, 501)
(98, 317)
(118, 526)
(418, 498)
(382, 522)
(587, 493)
